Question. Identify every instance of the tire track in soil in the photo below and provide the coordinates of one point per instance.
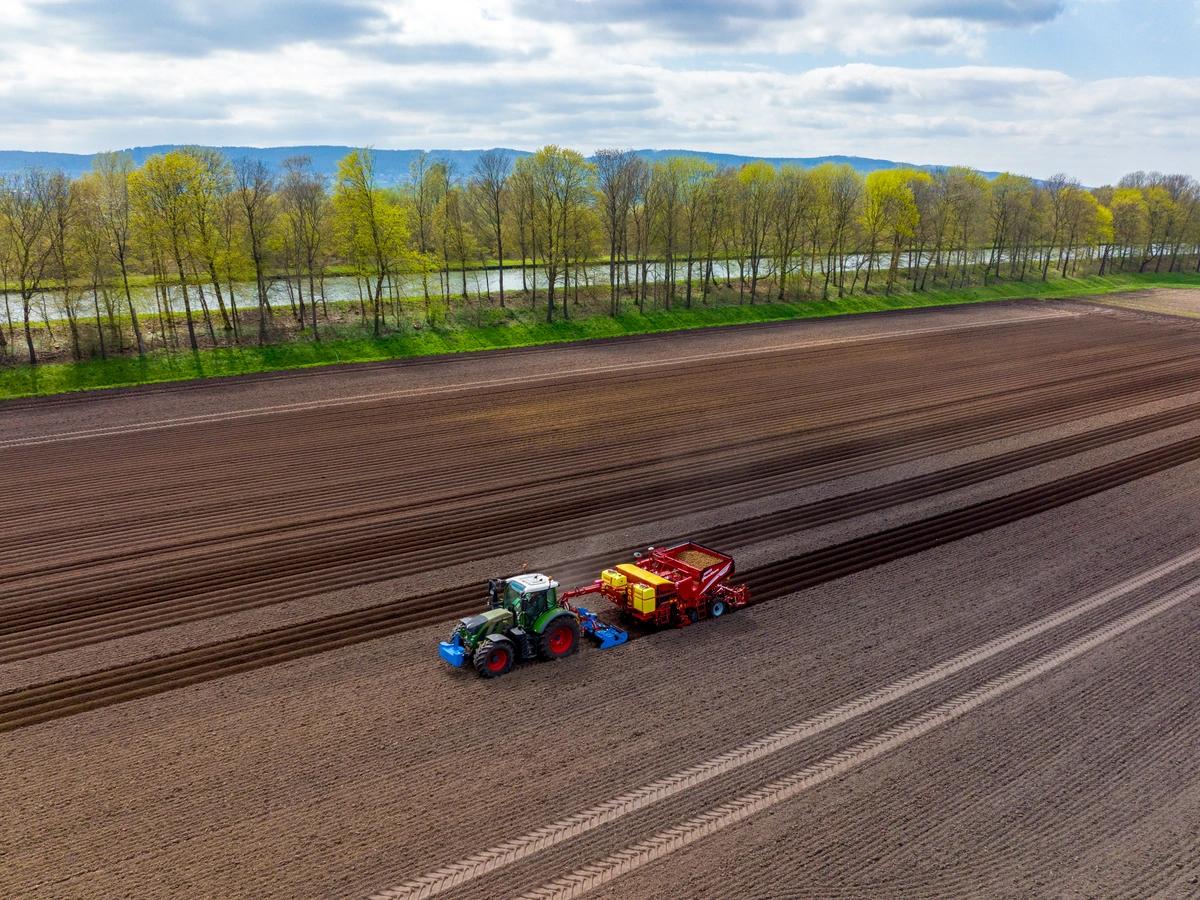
(68, 696)
(494, 858)
(141, 608)
(1117, 766)
(846, 861)
(1107, 776)
(662, 844)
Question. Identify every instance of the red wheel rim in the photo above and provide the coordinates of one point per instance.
(561, 639)
(497, 660)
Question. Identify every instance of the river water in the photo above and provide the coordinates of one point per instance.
(48, 304)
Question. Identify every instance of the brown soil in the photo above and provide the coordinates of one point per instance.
(338, 763)
(1179, 302)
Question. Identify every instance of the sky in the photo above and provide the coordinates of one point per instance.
(1093, 88)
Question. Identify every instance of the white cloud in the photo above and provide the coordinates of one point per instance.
(196, 27)
(457, 74)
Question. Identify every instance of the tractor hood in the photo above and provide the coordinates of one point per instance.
(486, 621)
(470, 632)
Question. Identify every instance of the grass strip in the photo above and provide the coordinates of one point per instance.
(94, 374)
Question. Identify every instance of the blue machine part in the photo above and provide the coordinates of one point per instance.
(604, 634)
(453, 651)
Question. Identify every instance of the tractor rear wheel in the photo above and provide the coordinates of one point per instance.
(561, 638)
(494, 658)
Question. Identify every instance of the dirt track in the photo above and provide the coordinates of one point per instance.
(927, 482)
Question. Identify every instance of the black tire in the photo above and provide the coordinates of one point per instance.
(494, 657)
(560, 638)
(717, 608)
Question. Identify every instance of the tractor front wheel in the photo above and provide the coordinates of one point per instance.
(493, 658)
(561, 638)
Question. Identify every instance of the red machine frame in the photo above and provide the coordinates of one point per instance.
(685, 592)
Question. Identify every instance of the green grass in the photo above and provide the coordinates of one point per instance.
(55, 378)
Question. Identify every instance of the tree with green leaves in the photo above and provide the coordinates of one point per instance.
(212, 185)
(562, 182)
(840, 192)
(755, 188)
(164, 187)
(372, 225)
(791, 210)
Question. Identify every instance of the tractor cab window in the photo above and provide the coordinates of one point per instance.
(512, 594)
(535, 604)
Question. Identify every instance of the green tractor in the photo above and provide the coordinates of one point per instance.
(524, 621)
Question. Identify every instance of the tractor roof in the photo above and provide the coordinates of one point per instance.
(531, 582)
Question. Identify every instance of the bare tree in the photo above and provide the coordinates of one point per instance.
(61, 196)
(492, 171)
(253, 186)
(614, 181)
(304, 198)
(113, 171)
(25, 213)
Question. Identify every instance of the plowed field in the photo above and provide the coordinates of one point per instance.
(970, 536)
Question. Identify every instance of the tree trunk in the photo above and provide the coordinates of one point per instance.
(216, 283)
(72, 323)
(8, 315)
(262, 298)
(187, 302)
(133, 317)
(212, 333)
(312, 301)
(500, 261)
(99, 323)
(26, 300)
(233, 310)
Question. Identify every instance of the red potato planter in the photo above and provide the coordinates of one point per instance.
(670, 586)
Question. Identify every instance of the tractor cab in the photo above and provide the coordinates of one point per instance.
(528, 598)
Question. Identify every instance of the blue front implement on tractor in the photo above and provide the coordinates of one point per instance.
(453, 651)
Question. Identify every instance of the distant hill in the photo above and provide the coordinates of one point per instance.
(392, 166)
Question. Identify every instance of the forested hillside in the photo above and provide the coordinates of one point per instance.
(395, 166)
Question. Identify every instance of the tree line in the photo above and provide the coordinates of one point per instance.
(672, 232)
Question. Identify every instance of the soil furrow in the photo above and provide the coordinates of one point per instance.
(43, 702)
